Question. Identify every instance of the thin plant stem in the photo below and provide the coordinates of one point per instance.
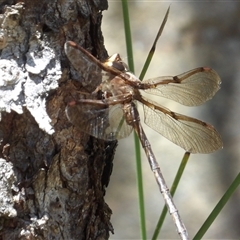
(136, 140)
(218, 208)
(152, 50)
(151, 158)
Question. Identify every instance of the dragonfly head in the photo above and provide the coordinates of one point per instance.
(116, 62)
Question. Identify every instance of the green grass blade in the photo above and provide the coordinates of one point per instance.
(136, 141)
(152, 50)
(140, 187)
(128, 36)
(218, 208)
(172, 191)
(131, 67)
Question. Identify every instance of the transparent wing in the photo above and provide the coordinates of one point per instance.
(104, 123)
(87, 66)
(191, 88)
(191, 134)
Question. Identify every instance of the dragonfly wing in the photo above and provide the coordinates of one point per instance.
(89, 71)
(191, 88)
(104, 123)
(117, 124)
(191, 134)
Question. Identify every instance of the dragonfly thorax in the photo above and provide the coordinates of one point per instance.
(116, 87)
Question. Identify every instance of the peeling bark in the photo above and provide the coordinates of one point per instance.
(53, 177)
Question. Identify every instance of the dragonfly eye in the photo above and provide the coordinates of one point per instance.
(119, 66)
(116, 62)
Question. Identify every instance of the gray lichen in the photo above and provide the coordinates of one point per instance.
(28, 70)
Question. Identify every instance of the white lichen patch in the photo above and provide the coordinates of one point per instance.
(29, 69)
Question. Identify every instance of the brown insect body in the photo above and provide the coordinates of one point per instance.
(108, 118)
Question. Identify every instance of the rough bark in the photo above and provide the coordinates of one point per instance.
(53, 177)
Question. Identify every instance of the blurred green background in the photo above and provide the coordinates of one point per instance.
(199, 33)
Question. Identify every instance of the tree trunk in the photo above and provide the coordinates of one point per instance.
(53, 177)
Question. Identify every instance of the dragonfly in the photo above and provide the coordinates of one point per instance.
(110, 111)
